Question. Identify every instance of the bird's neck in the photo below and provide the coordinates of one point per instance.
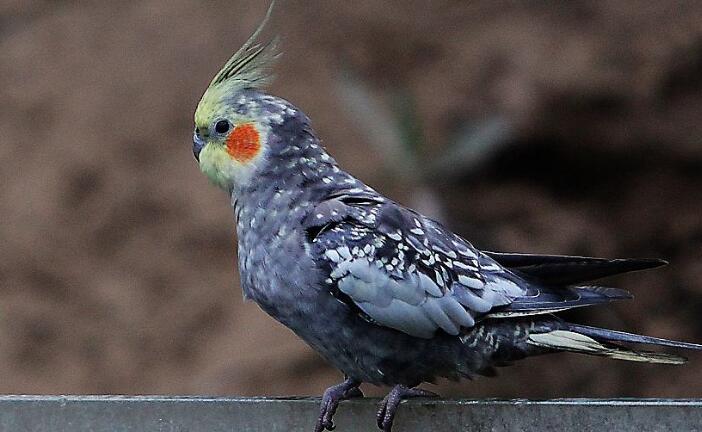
(269, 215)
(294, 181)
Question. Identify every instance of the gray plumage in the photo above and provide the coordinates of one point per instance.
(386, 295)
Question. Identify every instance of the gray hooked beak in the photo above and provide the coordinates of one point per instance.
(198, 144)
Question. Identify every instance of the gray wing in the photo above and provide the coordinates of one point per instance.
(568, 270)
(404, 271)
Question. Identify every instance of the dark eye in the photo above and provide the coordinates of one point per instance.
(197, 131)
(222, 126)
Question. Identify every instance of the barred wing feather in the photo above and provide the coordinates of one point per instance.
(407, 272)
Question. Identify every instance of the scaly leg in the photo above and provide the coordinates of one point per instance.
(388, 406)
(330, 401)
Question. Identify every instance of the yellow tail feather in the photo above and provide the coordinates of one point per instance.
(564, 340)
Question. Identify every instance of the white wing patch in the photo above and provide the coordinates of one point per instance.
(416, 305)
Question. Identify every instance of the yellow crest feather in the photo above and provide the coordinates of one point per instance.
(250, 66)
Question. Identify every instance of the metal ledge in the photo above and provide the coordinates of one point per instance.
(218, 414)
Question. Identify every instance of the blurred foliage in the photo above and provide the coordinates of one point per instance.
(392, 124)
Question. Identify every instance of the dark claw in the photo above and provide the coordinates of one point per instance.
(330, 402)
(325, 417)
(388, 406)
(380, 416)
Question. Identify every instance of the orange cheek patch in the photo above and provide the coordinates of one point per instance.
(243, 143)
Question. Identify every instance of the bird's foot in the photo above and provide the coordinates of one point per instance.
(388, 406)
(330, 402)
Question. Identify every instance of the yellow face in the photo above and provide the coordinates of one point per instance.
(228, 146)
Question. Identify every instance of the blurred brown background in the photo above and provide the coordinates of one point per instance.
(552, 127)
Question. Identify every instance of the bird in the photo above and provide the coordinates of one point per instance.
(386, 295)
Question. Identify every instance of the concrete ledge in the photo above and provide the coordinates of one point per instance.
(216, 414)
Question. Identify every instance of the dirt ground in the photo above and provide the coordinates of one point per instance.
(117, 269)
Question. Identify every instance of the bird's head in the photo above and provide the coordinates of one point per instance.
(232, 122)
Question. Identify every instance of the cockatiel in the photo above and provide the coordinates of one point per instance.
(386, 295)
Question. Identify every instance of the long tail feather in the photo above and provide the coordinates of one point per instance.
(565, 340)
(620, 336)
